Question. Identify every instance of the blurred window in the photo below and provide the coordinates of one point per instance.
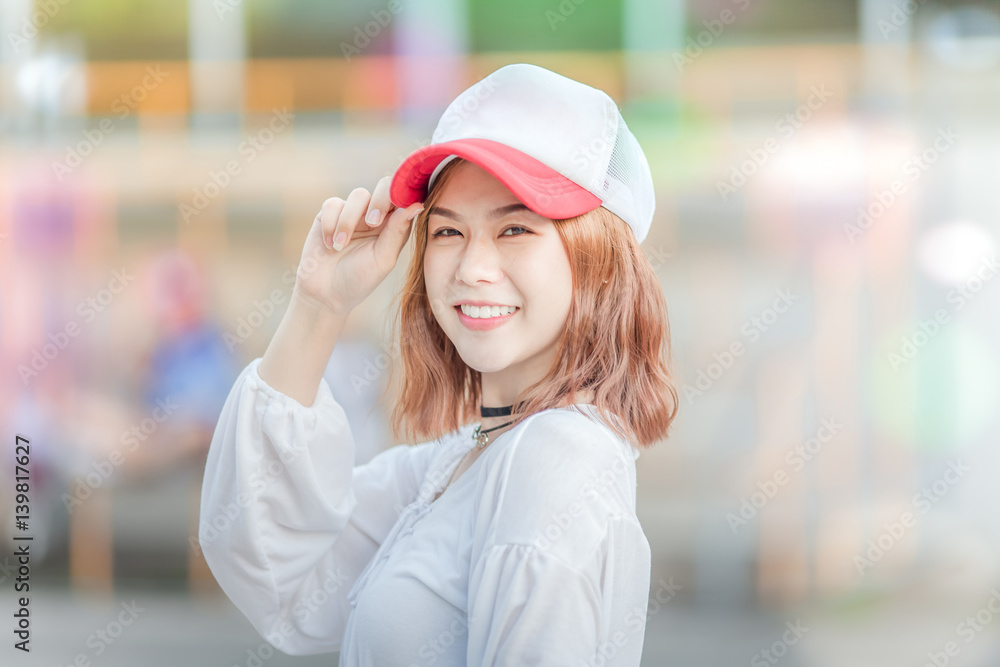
(766, 20)
(550, 25)
(124, 29)
(318, 28)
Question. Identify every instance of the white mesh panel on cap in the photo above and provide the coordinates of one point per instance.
(628, 191)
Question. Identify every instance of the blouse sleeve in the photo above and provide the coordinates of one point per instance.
(561, 566)
(288, 523)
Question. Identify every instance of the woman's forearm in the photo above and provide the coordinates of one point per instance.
(300, 350)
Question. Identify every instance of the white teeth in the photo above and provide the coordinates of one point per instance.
(482, 312)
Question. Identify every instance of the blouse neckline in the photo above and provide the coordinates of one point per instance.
(467, 444)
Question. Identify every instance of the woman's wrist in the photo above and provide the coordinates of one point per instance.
(312, 309)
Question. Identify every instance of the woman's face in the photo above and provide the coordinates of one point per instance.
(484, 245)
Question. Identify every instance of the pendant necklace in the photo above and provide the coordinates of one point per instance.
(480, 435)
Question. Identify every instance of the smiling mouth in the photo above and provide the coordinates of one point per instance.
(486, 312)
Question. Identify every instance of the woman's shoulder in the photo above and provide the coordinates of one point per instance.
(562, 456)
(572, 436)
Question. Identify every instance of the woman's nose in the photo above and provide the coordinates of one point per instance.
(480, 261)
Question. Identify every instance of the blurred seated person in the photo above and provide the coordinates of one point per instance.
(189, 370)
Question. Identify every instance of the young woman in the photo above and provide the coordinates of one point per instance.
(534, 348)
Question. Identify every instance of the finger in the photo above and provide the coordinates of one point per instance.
(380, 205)
(350, 216)
(391, 240)
(328, 217)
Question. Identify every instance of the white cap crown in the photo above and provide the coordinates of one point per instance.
(575, 129)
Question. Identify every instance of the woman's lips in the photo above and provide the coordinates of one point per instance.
(483, 324)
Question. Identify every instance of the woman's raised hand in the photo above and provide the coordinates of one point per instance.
(352, 246)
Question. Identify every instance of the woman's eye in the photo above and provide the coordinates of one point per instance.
(441, 232)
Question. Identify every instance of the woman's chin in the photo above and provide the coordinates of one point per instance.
(483, 362)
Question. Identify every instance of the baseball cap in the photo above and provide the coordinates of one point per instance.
(560, 146)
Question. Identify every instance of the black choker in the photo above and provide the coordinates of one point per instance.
(496, 412)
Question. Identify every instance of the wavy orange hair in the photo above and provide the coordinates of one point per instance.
(616, 340)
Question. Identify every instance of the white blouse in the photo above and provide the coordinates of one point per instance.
(533, 556)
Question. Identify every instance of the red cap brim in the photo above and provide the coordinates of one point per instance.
(541, 188)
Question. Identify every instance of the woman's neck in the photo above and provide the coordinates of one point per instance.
(581, 397)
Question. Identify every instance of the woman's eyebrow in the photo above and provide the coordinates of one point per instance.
(495, 214)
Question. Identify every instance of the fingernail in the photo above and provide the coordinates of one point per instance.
(338, 243)
(415, 213)
(328, 241)
(373, 216)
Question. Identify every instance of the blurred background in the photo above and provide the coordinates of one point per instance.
(825, 233)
